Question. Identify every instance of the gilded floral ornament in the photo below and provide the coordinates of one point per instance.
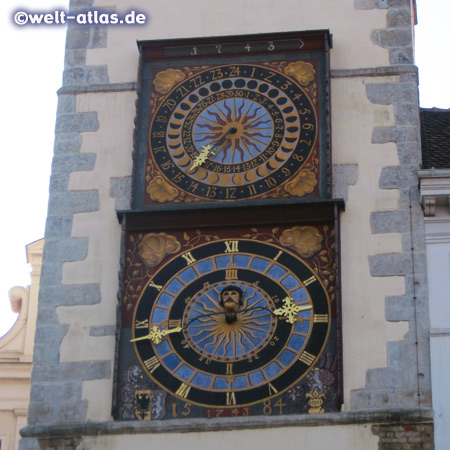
(304, 240)
(301, 71)
(161, 191)
(303, 183)
(154, 247)
(165, 81)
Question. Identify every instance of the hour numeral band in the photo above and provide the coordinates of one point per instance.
(320, 318)
(310, 280)
(156, 286)
(231, 246)
(229, 369)
(175, 323)
(231, 398)
(272, 389)
(307, 358)
(183, 390)
(189, 258)
(141, 324)
(278, 255)
(231, 273)
(152, 364)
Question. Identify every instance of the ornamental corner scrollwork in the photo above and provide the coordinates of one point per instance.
(302, 71)
(165, 81)
(305, 240)
(304, 183)
(154, 247)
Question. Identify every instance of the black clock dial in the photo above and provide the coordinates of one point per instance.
(217, 362)
(274, 127)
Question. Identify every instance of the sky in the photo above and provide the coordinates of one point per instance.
(32, 73)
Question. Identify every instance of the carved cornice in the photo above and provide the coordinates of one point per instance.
(434, 189)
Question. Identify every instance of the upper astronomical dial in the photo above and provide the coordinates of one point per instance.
(231, 132)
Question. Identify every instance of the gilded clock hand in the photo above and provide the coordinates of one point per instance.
(157, 333)
(207, 150)
(290, 310)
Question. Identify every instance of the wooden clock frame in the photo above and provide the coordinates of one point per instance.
(158, 187)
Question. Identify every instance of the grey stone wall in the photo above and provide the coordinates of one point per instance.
(405, 382)
(56, 386)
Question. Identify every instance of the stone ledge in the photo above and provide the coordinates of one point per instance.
(106, 87)
(375, 71)
(398, 416)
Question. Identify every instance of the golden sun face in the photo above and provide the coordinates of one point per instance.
(214, 338)
(253, 125)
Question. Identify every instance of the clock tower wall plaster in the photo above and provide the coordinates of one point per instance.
(374, 154)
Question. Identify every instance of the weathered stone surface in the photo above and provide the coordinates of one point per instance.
(73, 202)
(51, 273)
(74, 58)
(59, 182)
(383, 135)
(390, 378)
(86, 75)
(389, 222)
(390, 264)
(407, 114)
(105, 330)
(68, 163)
(58, 226)
(343, 177)
(397, 37)
(78, 122)
(120, 189)
(401, 55)
(70, 295)
(398, 17)
(408, 436)
(66, 104)
(67, 143)
(371, 4)
(29, 444)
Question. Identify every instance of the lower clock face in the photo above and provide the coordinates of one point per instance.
(231, 323)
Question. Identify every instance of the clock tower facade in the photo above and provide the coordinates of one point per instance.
(234, 243)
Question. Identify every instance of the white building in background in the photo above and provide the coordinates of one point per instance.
(16, 354)
(435, 198)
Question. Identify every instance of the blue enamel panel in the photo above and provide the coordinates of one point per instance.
(286, 357)
(256, 378)
(202, 380)
(299, 295)
(172, 361)
(165, 300)
(260, 264)
(221, 383)
(163, 348)
(302, 327)
(290, 282)
(174, 287)
(272, 370)
(188, 275)
(241, 260)
(184, 372)
(205, 266)
(276, 272)
(223, 262)
(296, 342)
(239, 383)
(160, 315)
